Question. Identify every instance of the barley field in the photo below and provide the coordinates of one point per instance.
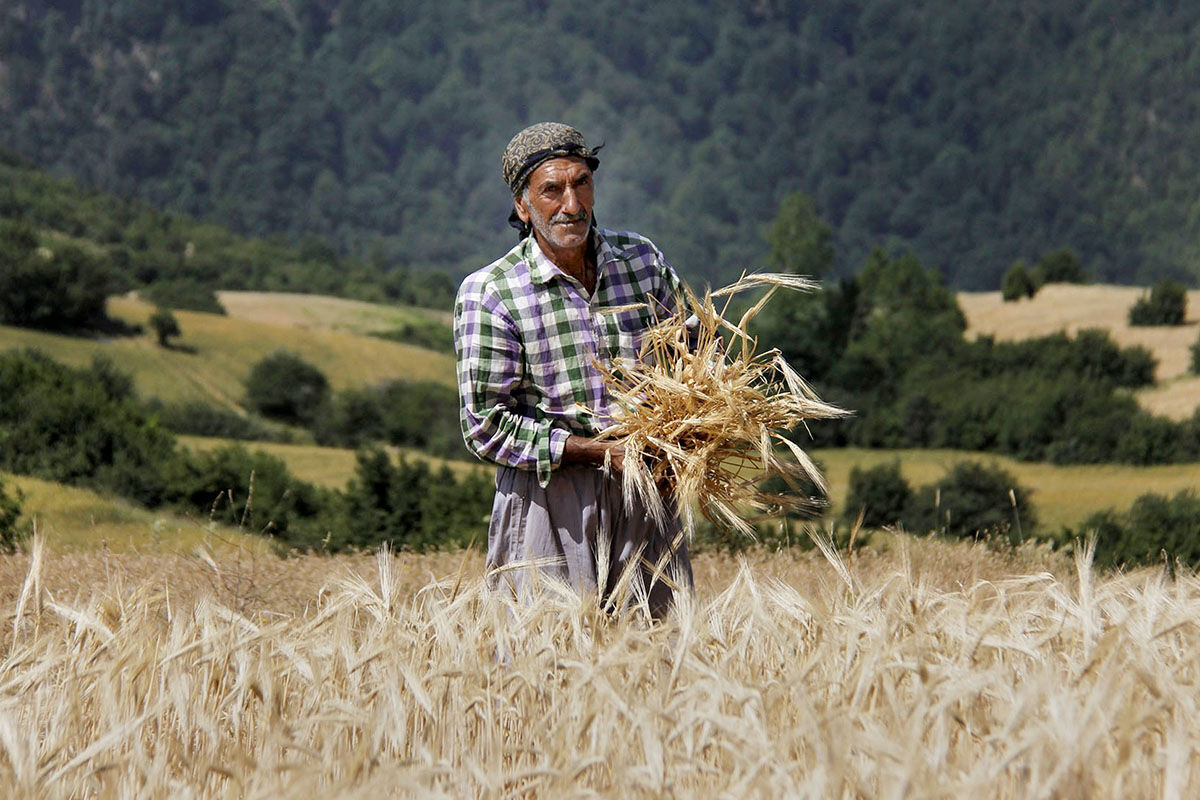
(928, 669)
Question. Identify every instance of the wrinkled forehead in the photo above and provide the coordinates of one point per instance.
(563, 169)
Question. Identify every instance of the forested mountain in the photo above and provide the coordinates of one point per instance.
(971, 133)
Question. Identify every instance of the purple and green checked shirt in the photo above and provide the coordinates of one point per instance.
(528, 337)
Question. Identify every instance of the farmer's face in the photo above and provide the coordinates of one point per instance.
(558, 203)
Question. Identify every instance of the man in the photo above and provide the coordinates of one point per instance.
(530, 329)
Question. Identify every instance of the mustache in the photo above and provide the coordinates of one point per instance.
(562, 216)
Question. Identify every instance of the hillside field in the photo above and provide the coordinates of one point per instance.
(1072, 308)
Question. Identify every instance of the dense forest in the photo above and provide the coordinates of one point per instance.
(972, 134)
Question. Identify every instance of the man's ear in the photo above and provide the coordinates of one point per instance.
(522, 209)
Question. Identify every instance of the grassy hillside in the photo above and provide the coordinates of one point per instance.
(323, 312)
(71, 519)
(215, 353)
(1072, 308)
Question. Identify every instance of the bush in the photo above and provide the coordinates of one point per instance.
(1017, 283)
(973, 500)
(284, 386)
(419, 414)
(201, 419)
(164, 324)
(1165, 304)
(429, 334)
(184, 294)
(62, 290)
(1195, 350)
(12, 532)
(880, 493)
(1060, 266)
(1152, 526)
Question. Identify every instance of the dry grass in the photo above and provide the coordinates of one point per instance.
(1071, 308)
(220, 352)
(934, 671)
(322, 312)
(700, 420)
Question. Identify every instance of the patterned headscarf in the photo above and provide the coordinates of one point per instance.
(539, 143)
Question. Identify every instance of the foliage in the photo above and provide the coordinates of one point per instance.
(1017, 283)
(427, 333)
(1165, 304)
(407, 505)
(12, 531)
(419, 414)
(880, 494)
(970, 133)
(1060, 266)
(62, 289)
(973, 500)
(800, 242)
(1154, 526)
(184, 294)
(203, 419)
(1195, 351)
(164, 324)
(284, 386)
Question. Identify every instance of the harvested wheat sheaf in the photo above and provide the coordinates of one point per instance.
(935, 673)
(700, 418)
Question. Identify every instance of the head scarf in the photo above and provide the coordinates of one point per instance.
(532, 146)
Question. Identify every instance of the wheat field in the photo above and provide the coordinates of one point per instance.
(929, 670)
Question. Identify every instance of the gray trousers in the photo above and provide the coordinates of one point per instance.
(577, 530)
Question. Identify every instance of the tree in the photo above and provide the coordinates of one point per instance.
(1164, 304)
(880, 494)
(1195, 350)
(1061, 266)
(973, 500)
(11, 531)
(165, 325)
(64, 289)
(1017, 283)
(286, 387)
(800, 242)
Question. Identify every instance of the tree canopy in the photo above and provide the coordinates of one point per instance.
(972, 134)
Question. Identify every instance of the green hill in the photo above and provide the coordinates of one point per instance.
(973, 133)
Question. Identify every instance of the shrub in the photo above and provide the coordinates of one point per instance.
(1195, 350)
(429, 334)
(164, 324)
(1152, 526)
(973, 500)
(184, 294)
(880, 493)
(1164, 304)
(419, 414)
(1060, 266)
(1017, 283)
(286, 387)
(201, 419)
(62, 290)
(12, 532)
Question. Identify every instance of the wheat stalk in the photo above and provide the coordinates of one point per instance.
(701, 420)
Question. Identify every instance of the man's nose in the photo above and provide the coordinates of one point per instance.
(570, 204)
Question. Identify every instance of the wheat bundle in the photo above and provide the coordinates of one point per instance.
(700, 418)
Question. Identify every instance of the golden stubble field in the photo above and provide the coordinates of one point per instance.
(929, 669)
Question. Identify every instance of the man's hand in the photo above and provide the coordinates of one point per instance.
(581, 450)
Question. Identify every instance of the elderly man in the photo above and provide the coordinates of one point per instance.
(530, 329)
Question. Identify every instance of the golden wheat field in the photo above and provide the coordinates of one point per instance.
(927, 670)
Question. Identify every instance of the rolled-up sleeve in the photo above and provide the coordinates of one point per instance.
(491, 367)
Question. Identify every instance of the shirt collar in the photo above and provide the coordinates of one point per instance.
(543, 270)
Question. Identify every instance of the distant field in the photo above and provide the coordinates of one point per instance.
(1072, 308)
(325, 466)
(71, 519)
(322, 312)
(216, 352)
(1063, 496)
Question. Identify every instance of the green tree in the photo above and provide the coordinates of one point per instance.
(1164, 304)
(165, 325)
(879, 493)
(800, 242)
(1017, 283)
(286, 387)
(973, 500)
(1060, 266)
(1195, 351)
(12, 531)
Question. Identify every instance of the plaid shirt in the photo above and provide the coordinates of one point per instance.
(528, 338)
